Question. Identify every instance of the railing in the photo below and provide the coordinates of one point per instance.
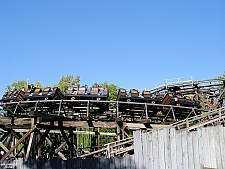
(87, 106)
(187, 81)
(201, 120)
(114, 148)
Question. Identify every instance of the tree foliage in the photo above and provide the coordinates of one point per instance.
(21, 84)
(67, 81)
(223, 76)
(86, 140)
(111, 87)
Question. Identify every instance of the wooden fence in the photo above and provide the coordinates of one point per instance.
(126, 162)
(168, 148)
(165, 148)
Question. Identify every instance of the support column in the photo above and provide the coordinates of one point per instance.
(99, 141)
(39, 150)
(71, 142)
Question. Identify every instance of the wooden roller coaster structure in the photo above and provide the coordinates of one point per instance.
(45, 123)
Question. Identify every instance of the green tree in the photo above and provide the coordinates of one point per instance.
(67, 81)
(17, 85)
(21, 84)
(223, 76)
(111, 87)
(106, 139)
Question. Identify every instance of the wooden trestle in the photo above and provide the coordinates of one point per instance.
(40, 128)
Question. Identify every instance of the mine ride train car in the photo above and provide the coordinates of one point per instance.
(134, 96)
(83, 93)
(33, 94)
(13, 96)
(43, 94)
(180, 100)
(97, 93)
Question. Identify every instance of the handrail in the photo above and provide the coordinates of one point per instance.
(219, 114)
(113, 148)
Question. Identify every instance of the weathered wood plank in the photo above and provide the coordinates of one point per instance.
(132, 162)
(155, 149)
(149, 151)
(3, 147)
(158, 126)
(105, 124)
(140, 152)
(117, 162)
(145, 150)
(173, 148)
(5, 121)
(206, 148)
(127, 161)
(29, 146)
(196, 150)
(138, 145)
(201, 143)
(222, 143)
(179, 149)
(19, 141)
(19, 163)
(167, 148)
(135, 126)
(217, 140)
(22, 121)
(79, 124)
(212, 147)
(190, 151)
(184, 148)
(161, 149)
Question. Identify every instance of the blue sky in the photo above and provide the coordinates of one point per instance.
(129, 43)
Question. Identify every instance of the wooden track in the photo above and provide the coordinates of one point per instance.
(32, 125)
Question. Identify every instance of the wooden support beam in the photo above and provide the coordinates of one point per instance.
(4, 136)
(62, 156)
(12, 132)
(135, 126)
(16, 135)
(20, 150)
(76, 124)
(101, 124)
(67, 140)
(38, 145)
(71, 142)
(19, 141)
(39, 151)
(58, 132)
(57, 150)
(3, 147)
(10, 140)
(124, 132)
(99, 141)
(22, 121)
(51, 117)
(93, 133)
(60, 147)
(29, 146)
